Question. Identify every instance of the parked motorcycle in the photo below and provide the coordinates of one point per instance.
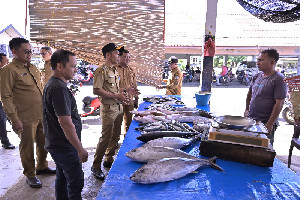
(240, 75)
(85, 75)
(287, 111)
(73, 86)
(91, 106)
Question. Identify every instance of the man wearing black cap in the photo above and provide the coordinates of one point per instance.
(106, 86)
(175, 83)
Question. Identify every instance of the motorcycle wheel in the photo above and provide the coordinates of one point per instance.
(288, 115)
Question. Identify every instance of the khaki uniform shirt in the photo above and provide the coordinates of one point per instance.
(21, 92)
(175, 83)
(127, 79)
(107, 78)
(47, 72)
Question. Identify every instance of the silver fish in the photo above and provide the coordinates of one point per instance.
(169, 169)
(147, 136)
(172, 142)
(146, 154)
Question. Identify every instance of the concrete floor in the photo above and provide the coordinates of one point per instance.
(225, 100)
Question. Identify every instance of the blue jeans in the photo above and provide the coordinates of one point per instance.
(69, 175)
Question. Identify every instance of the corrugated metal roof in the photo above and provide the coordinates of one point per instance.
(85, 26)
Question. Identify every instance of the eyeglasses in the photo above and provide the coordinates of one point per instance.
(28, 52)
(42, 54)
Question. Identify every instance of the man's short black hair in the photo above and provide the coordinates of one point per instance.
(60, 56)
(123, 51)
(16, 43)
(46, 48)
(1, 56)
(272, 53)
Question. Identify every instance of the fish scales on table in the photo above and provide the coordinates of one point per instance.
(149, 153)
(169, 169)
(171, 142)
(147, 136)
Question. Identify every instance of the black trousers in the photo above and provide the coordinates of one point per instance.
(3, 119)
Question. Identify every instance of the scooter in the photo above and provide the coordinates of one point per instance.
(91, 106)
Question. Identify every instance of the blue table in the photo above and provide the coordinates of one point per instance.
(238, 181)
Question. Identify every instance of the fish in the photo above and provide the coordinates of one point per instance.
(168, 169)
(148, 153)
(172, 142)
(147, 136)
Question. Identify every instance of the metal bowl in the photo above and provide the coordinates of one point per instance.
(234, 122)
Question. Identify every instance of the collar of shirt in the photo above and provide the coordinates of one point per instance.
(175, 69)
(122, 67)
(20, 64)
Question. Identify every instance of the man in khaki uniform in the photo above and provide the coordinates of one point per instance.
(106, 86)
(21, 94)
(127, 80)
(175, 83)
(47, 72)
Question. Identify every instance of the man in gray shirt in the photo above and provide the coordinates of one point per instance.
(267, 92)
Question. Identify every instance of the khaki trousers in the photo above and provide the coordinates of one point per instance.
(112, 116)
(32, 132)
(127, 116)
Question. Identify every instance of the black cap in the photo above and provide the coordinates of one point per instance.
(109, 47)
(173, 60)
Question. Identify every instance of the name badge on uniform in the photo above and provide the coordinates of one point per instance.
(24, 74)
(176, 77)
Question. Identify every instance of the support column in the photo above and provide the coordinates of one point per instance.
(208, 46)
(225, 60)
(298, 65)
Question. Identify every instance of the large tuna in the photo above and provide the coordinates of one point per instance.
(146, 154)
(169, 169)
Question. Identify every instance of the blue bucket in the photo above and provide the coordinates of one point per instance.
(202, 98)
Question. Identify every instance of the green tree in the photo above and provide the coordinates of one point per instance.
(234, 60)
(218, 61)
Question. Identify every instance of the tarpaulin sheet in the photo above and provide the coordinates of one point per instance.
(238, 181)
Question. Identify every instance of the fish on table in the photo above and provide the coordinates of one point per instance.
(147, 136)
(171, 142)
(150, 153)
(168, 169)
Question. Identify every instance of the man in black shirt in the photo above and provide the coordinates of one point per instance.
(62, 127)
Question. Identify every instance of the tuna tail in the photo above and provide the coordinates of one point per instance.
(214, 165)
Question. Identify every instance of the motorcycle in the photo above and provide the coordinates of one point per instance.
(247, 78)
(85, 75)
(91, 106)
(73, 86)
(224, 80)
(287, 111)
(240, 75)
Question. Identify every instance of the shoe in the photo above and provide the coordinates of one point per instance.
(47, 170)
(8, 145)
(34, 182)
(98, 173)
(107, 164)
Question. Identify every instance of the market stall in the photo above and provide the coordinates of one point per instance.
(237, 181)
